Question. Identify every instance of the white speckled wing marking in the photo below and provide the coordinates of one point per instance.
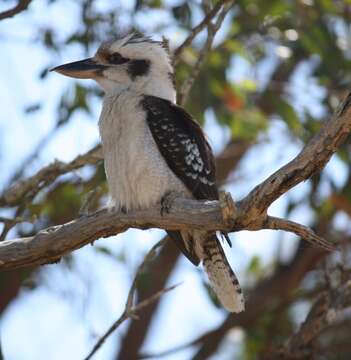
(183, 146)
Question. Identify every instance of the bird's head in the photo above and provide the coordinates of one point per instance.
(132, 62)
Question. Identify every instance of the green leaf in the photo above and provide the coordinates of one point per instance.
(288, 114)
(247, 123)
(255, 266)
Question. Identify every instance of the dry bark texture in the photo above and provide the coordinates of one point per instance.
(249, 213)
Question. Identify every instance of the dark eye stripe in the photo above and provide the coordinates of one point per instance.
(117, 58)
(138, 68)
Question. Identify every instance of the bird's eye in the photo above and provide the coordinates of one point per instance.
(117, 58)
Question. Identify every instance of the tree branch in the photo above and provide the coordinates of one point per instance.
(51, 244)
(131, 310)
(313, 157)
(45, 176)
(137, 330)
(323, 314)
(48, 174)
(21, 6)
(276, 287)
(197, 29)
(250, 214)
(212, 29)
(304, 232)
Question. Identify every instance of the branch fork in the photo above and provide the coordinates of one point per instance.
(249, 213)
(52, 243)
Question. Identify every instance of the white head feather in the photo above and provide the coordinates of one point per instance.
(150, 60)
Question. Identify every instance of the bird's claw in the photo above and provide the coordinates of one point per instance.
(166, 202)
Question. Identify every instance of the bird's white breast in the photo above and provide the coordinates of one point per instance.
(137, 174)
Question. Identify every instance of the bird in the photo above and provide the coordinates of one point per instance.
(153, 149)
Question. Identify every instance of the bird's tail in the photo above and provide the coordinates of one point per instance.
(222, 278)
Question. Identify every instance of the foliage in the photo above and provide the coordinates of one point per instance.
(297, 60)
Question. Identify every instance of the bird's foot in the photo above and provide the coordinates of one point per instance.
(114, 208)
(166, 202)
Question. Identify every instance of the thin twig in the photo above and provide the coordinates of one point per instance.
(21, 6)
(32, 185)
(212, 29)
(17, 220)
(166, 352)
(197, 29)
(31, 157)
(130, 309)
(149, 256)
(131, 313)
(9, 225)
(275, 223)
(88, 200)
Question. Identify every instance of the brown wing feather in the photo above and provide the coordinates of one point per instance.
(183, 145)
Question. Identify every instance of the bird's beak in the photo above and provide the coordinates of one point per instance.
(83, 69)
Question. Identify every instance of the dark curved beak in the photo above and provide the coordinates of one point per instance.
(83, 69)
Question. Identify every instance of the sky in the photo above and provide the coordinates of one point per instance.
(45, 321)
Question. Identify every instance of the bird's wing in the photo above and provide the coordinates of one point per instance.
(183, 145)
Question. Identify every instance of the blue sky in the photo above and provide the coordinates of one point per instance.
(45, 321)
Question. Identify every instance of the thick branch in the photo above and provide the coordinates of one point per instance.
(313, 157)
(50, 244)
(137, 331)
(324, 313)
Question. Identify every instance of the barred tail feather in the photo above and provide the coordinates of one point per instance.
(222, 278)
(184, 241)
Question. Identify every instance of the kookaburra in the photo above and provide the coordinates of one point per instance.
(153, 148)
